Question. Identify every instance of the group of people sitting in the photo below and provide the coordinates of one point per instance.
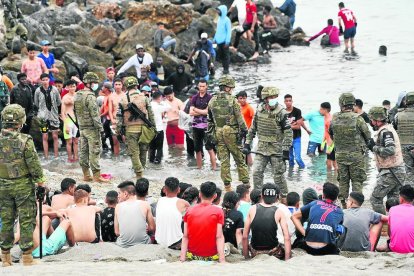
(205, 226)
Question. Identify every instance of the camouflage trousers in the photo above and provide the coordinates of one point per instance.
(136, 151)
(17, 199)
(90, 149)
(348, 172)
(278, 167)
(387, 186)
(226, 145)
(409, 167)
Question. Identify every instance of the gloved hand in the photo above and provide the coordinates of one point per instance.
(341, 30)
(371, 144)
(246, 149)
(285, 155)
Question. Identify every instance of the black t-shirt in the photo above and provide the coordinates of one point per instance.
(232, 222)
(293, 116)
(107, 225)
(364, 115)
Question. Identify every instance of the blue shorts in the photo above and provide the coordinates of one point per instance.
(350, 33)
(53, 244)
(312, 146)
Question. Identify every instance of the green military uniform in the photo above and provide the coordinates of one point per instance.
(404, 123)
(272, 127)
(388, 155)
(226, 122)
(90, 127)
(350, 133)
(133, 125)
(20, 169)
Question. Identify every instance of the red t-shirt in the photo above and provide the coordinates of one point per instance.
(347, 17)
(202, 220)
(250, 10)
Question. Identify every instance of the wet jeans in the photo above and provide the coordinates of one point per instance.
(295, 153)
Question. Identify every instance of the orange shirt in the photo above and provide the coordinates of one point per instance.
(8, 82)
(248, 114)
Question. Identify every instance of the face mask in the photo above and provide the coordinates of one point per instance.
(273, 102)
(180, 71)
(94, 86)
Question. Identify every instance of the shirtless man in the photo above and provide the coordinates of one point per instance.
(82, 218)
(70, 132)
(114, 100)
(65, 199)
(269, 23)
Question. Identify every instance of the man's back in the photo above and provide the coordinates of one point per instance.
(264, 228)
(62, 201)
(168, 221)
(83, 223)
(401, 223)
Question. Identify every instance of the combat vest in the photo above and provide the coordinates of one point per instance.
(389, 161)
(222, 109)
(268, 124)
(346, 136)
(140, 100)
(12, 162)
(81, 99)
(406, 126)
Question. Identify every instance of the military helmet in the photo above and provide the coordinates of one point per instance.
(377, 113)
(409, 98)
(346, 99)
(130, 82)
(13, 114)
(269, 91)
(227, 80)
(90, 77)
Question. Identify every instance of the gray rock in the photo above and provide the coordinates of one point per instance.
(104, 37)
(36, 46)
(281, 36)
(124, 24)
(27, 8)
(237, 57)
(263, 59)
(3, 50)
(37, 31)
(74, 33)
(58, 52)
(90, 55)
(298, 39)
(74, 63)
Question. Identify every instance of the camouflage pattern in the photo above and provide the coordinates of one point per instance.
(20, 170)
(90, 127)
(275, 136)
(404, 122)
(130, 82)
(226, 120)
(227, 80)
(378, 113)
(346, 99)
(269, 91)
(409, 98)
(90, 77)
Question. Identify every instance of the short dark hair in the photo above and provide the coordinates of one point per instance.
(330, 22)
(73, 74)
(125, 184)
(267, 8)
(172, 184)
(218, 197)
(117, 79)
(270, 193)
(391, 202)
(230, 200)
(326, 105)
(59, 81)
(359, 103)
(242, 190)
(44, 75)
(156, 95)
(386, 102)
(79, 195)
(183, 187)
(358, 197)
(407, 193)
(21, 75)
(67, 183)
(208, 189)
(292, 198)
(241, 94)
(70, 82)
(84, 187)
(330, 191)
(202, 81)
(160, 23)
(168, 90)
(142, 186)
(341, 5)
(288, 96)
(255, 196)
(112, 197)
(190, 194)
(31, 48)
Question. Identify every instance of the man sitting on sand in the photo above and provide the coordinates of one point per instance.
(324, 219)
(363, 225)
(87, 189)
(108, 216)
(203, 229)
(132, 217)
(263, 220)
(83, 217)
(65, 199)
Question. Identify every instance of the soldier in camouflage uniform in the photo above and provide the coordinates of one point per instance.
(404, 124)
(90, 127)
(388, 156)
(133, 125)
(20, 170)
(350, 134)
(227, 126)
(275, 138)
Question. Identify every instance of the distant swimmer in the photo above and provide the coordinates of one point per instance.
(350, 24)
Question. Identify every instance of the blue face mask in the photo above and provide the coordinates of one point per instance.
(273, 102)
(94, 86)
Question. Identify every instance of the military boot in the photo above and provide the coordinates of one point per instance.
(6, 258)
(227, 187)
(28, 259)
(86, 175)
(98, 178)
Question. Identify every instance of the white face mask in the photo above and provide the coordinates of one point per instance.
(94, 86)
(273, 102)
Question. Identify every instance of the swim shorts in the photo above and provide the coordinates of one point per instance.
(52, 244)
(331, 155)
(175, 135)
(350, 33)
(47, 127)
(73, 130)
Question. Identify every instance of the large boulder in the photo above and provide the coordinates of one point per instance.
(104, 37)
(28, 8)
(37, 31)
(298, 39)
(280, 35)
(107, 10)
(99, 70)
(90, 55)
(58, 52)
(62, 70)
(74, 33)
(3, 50)
(74, 63)
(12, 63)
(176, 17)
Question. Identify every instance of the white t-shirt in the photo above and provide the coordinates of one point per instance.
(158, 109)
(133, 61)
(241, 9)
(291, 226)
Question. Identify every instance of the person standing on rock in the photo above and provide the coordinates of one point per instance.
(241, 11)
(33, 67)
(350, 134)
(223, 38)
(350, 23)
(132, 123)
(227, 126)
(388, 156)
(404, 124)
(289, 9)
(49, 60)
(272, 126)
(90, 126)
(141, 59)
(22, 94)
(163, 39)
(20, 171)
(269, 24)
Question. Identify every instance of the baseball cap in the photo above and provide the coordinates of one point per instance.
(192, 92)
(204, 35)
(108, 85)
(270, 190)
(146, 88)
(45, 43)
(153, 83)
(109, 69)
(139, 46)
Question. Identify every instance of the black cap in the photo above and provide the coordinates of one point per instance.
(192, 92)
